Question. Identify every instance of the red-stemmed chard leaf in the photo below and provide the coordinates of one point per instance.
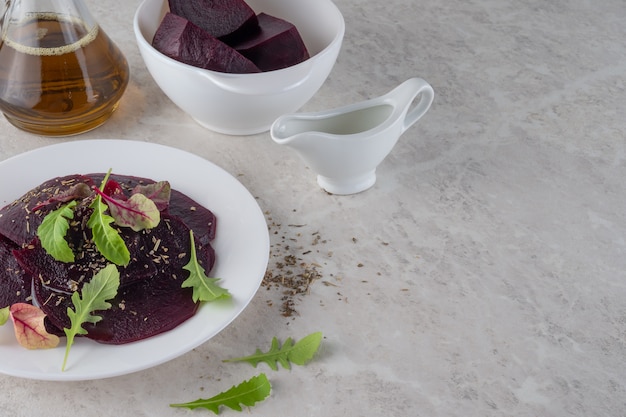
(159, 192)
(138, 212)
(30, 330)
(76, 192)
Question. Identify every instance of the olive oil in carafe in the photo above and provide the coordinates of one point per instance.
(59, 77)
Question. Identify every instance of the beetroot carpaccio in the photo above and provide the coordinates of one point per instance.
(150, 299)
(227, 36)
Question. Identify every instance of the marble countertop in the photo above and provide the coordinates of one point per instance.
(485, 272)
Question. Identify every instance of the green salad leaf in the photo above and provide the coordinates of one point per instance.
(52, 230)
(4, 315)
(299, 353)
(204, 288)
(94, 296)
(137, 212)
(29, 327)
(248, 393)
(107, 239)
(159, 192)
(75, 192)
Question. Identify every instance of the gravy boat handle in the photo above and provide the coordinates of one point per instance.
(418, 86)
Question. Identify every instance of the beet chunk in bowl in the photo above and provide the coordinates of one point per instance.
(243, 104)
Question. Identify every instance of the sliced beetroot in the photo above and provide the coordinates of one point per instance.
(15, 284)
(138, 311)
(276, 45)
(228, 20)
(185, 42)
(67, 277)
(150, 299)
(198, 218)
(149, 250)
(19, 220)
(142, 308)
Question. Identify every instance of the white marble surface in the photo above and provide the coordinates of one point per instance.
(483, 275)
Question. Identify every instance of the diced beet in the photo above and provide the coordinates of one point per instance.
(183, 41)
(277, 45)
(228, 20)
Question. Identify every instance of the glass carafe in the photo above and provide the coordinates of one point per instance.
(60, 74)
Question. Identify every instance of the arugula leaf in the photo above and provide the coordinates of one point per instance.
(52, 230)
(4, 315)
(247, 393)
(107, 239)
(299, 354)
(204, 288)
(102, 287)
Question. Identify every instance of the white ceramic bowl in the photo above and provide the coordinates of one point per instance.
(243, 104)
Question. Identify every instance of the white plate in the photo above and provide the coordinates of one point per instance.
(241, 246)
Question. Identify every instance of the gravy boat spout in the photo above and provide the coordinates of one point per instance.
(345, 145)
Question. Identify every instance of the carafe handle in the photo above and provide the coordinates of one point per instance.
(4, 9)
(4, 6)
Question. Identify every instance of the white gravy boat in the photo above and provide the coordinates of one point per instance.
(345, 145)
